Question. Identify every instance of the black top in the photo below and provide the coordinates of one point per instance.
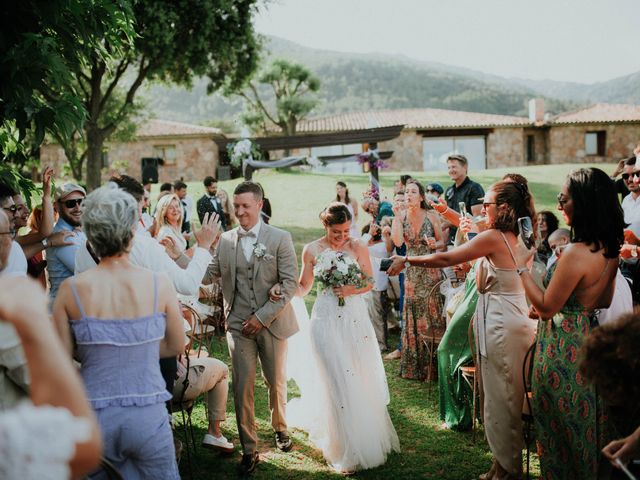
(469, 192)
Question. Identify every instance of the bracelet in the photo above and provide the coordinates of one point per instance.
(521, 270)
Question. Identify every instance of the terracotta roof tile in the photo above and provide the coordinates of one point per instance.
(418, 118)
(166, 128)
(600, 113)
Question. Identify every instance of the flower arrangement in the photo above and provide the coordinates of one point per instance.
(337, 269)
(243, 150)
(259, 250)
(373, 159)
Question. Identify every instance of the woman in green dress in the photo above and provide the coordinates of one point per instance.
(570, 419)
(456, 398)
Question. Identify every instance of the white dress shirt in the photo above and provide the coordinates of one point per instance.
(248, 242)
(16, 263)
(148, 253)
(631, 208)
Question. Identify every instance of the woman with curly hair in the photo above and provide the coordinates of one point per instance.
(610, 361)
(503, 330)
(570, 421)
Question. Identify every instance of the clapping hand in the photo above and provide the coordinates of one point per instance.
(170, 247)
(208, 234)
(399, 210)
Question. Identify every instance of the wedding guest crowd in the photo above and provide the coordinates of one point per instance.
(472, 292)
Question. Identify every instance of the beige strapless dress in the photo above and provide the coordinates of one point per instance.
(503, 333)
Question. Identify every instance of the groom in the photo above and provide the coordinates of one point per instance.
(251, 259)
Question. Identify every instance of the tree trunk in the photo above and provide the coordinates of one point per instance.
(95, 141)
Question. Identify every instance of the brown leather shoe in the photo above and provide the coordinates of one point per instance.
(248, 463)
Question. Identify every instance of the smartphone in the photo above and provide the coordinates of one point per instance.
(526, 231)
(463, 209)
(385, 263)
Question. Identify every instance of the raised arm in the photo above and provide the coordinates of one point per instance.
(480, 246)
(565, 279)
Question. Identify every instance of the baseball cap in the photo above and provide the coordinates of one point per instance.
(436, 187)
(66, 189)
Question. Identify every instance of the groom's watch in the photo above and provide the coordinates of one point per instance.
(407, 263)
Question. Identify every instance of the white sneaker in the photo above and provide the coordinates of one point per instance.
(217, 443)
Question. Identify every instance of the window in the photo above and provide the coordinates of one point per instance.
(436, 150)
(595, 143)
(531, 149)
(166, 152)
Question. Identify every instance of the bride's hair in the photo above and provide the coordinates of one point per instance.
(336, 213)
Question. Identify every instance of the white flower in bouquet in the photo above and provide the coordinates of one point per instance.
(336, 269)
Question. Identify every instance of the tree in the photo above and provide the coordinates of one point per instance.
(290, 87)
(42, 45)
(175, 41)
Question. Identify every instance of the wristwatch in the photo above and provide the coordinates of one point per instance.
(45, 243)
(407, 264)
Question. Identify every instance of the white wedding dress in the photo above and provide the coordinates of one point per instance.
(336, 362)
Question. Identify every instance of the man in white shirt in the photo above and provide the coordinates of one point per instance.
(16, 265)
(14, 376)
(631, 203)
(186, 274)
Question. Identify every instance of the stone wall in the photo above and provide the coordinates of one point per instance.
(196, 157)
(505, 148)
(566, 143)
(407, 151)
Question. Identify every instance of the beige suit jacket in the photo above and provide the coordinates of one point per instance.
(277, 265)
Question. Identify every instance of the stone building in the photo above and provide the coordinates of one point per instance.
(189, 152)
(599, 133)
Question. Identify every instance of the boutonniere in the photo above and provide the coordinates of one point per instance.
(259, 250)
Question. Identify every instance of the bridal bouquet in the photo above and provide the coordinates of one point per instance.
(336, 269)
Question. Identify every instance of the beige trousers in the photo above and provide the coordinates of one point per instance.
(245, 353)
(205, 375)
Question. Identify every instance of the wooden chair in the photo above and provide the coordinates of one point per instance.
(435, 328)
(201, 333)
(470, 375)
(211, 295)
(527, 412)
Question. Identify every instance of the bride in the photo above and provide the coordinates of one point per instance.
(336, 361)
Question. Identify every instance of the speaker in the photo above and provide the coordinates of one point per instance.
(150, 169)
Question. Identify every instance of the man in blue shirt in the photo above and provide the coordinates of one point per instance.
(61, 260)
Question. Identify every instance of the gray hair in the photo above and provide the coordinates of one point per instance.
(109, 217)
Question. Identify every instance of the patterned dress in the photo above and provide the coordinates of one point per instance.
(418, 313)
(570, 421)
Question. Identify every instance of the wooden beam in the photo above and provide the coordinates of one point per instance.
(308, 140)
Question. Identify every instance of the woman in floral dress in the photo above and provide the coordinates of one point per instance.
(570, 419)
(418, 227)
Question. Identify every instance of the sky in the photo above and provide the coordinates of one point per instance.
(581, 41)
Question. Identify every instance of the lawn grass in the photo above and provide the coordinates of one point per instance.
(427, 451)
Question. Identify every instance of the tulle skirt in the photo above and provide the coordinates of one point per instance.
(336, 362)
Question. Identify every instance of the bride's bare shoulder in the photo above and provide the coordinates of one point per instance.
(312, 249)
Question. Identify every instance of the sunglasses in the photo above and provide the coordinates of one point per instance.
(561, 200)
(73, 203)
(626, 176)
(13, 209)
(485, 205)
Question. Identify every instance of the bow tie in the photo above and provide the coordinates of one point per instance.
(246, 234)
